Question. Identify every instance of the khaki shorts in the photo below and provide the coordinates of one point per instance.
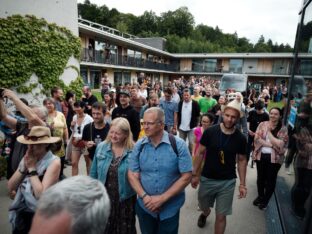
(83, 151)
(221, 191)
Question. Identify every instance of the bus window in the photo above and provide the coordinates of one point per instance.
(233, 81)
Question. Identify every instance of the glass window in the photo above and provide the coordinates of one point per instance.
(130, 53)
(210, 65)
(306, 67)
(236, 65)
(127, 77)
(197, 65)
(117, 78)
(279, 67)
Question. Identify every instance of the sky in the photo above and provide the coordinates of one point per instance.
(274, 19)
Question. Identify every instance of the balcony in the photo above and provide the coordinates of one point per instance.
(99, 56)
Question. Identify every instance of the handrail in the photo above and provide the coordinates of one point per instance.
(105, 28)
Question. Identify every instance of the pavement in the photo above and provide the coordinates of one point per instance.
(245, 219)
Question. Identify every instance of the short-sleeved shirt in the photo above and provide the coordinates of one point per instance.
(90, 133)
(206, 104)
(215, 140)
(255, 119)
(89, 102)
(169, 107)
(159, 169)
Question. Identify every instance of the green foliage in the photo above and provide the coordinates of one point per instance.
(30, 45)
(75, 86)
(178, 28)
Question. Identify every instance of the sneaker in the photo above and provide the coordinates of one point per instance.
(257, 201)
(201, 220)
(263, 206)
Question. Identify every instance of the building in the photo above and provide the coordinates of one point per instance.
(124, 56)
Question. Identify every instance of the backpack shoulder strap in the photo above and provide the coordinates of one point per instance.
(173, 144)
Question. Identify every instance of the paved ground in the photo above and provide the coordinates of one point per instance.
(245, 219)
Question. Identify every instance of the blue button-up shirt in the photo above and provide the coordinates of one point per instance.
(159, 169)
(169, 108)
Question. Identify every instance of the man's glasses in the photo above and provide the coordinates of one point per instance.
(79, 129)
(148, 124)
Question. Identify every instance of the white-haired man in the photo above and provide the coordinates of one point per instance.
(79, 204)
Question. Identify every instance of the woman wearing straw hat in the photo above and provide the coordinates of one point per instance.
(38, 170)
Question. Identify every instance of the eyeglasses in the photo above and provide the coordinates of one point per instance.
(79, 129)
(34, 138)
(148, 124)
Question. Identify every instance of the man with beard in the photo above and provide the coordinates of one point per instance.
(95, 132)
(207, 103)
(136, 101)
(125, 110)
(224, 146)
(88, 99)
(57, 95)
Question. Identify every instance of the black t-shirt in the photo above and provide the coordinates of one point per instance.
(255, 119)
(89, 102)
(215, 140)
(98, 135)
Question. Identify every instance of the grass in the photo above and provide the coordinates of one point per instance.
(275, 104)
(97, 94)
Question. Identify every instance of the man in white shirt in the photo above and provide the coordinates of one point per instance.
(188, 116)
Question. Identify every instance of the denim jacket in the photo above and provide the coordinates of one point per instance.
(100, 165)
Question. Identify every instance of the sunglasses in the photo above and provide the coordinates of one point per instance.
(79, 129)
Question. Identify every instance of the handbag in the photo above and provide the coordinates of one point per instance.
(78, 143)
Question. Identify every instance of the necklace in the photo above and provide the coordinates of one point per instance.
(116, 160)
(222, 146)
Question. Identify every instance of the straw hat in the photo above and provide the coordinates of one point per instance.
(38, 135)
(235, 105)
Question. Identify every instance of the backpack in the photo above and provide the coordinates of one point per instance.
(173, 144)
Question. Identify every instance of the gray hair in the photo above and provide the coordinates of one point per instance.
(41, 111)
(84, 198)
(159, 112)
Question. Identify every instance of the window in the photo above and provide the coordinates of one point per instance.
(306, 67)
(236, 65)
(279, 67)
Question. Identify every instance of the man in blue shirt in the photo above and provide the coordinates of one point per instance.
(159, 175)
(170, 108)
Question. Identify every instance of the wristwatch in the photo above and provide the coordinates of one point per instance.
(32, 173)
(143, 195)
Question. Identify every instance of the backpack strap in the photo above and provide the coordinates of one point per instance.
(173, 144)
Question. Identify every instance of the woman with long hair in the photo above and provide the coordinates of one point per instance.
(80, 120)
(270, 142)
(57, 123)
(110, 166)
(206, 120)
(110, 103)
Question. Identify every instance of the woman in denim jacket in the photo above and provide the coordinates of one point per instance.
(110, 165)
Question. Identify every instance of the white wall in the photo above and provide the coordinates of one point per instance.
(64, 13)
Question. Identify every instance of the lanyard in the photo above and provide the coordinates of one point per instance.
(222, 145)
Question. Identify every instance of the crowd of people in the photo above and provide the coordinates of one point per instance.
(145, 143)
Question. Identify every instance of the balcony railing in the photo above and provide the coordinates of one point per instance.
(99, 56)
(104, 57)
